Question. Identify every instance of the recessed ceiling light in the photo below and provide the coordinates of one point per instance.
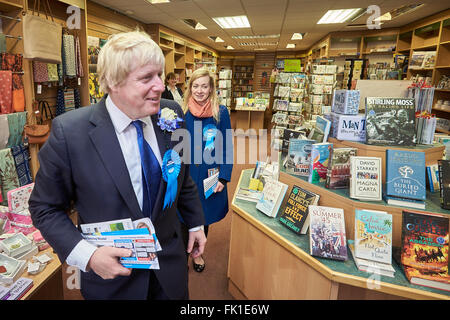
(216, 39)
(232, 22)
(130, 12)
(297, 36)
(158, 1)
(248, 44)
(229, 47)
(194, 24)
(261, 36)
(338, 16)
(398, 12)
(290, 45)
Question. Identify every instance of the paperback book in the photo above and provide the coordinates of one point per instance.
(320, 157)
(321, 130)
(327, 232)
(346, 101)
(425, 241)
(433, 177)
(390, 121)
(371, 266)
(338, 171)
(373, 235)
(272, 196)
(365, 178)
(405, 177)
(295, 215)
(444, 182)
(296, 160)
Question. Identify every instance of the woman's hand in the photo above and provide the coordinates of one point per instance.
(219, 187)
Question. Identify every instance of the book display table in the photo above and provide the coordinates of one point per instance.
(268, 261)
(250, 119)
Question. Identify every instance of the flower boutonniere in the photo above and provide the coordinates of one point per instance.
(168, 120)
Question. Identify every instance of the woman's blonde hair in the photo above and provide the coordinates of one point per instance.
(122, 54)
(212, 96)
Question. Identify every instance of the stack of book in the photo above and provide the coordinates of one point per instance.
(424, 251)
(372, 250)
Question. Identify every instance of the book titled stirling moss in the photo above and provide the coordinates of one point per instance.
(390, 121)
(405, 175)
(295, 215)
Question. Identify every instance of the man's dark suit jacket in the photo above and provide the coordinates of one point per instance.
(82, 162)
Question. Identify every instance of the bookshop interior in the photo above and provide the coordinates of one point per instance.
(340, 112)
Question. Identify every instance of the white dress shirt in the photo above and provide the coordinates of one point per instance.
(127, 136)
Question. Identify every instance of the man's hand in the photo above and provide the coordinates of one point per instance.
(219, 187)
(196, 243)
(105, 262)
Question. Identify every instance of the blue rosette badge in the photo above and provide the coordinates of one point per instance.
(170, 170)
(209, 134)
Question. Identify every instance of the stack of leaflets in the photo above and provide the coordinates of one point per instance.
(139, 236)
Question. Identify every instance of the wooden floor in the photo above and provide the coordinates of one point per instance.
(212, 283)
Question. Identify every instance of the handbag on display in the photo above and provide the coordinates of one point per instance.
(42, 37)
(38, 133)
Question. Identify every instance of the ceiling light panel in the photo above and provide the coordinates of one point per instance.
(338, 16)
(232, 22)
(261, 36)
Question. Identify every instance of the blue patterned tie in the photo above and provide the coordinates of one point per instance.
(151, 171)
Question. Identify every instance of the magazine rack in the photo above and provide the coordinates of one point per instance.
(268, 261)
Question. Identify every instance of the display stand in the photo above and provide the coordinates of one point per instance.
(253, 119)
(268, 261)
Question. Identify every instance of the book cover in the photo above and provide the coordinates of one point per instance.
(417, 59)
(390, 121)
(405, 174)
(444, 183)
(350, 127)
(425, 241)
(373, 235)
(296, 160)
(272, 196)
(320, 157)
(338, 171)
(18, 198)
(327, 233)
(321, 130)
(365, 178)
(371, 266)
(295, 215)
(248, 195)
(346, 102)
(432, 280)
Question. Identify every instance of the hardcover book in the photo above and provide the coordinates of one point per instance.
(327, 233)
(390, 121)
(444, 182)
(296, 160)
(425, 241)
(338, 171)
(295, 215)
(320, 157)
(373, 235)
(405, 174)
(365, 178)
(438, 280)
(272, 196)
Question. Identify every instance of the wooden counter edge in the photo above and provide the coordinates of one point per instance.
(338, 277)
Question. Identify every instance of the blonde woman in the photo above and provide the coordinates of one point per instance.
(206, 118)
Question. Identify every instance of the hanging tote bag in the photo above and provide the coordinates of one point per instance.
(41, 37)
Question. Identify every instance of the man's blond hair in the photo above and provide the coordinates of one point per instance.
(124, 53)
